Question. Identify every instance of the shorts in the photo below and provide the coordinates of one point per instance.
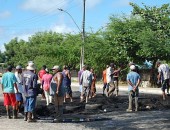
(19, 97)
(9, 99)
(165, 84)
(68, 90)
(105, 85)
(30, 104)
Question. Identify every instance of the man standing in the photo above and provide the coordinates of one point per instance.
(133, 79)
(29, 80)
(8, 83)
(86, 80)
(19, 97)
(79, 76)
(59, 94)
(163, 77)
(105, 86)
(67, 83)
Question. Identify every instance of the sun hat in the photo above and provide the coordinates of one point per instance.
(31, 66)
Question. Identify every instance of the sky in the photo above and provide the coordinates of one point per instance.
(23, 18)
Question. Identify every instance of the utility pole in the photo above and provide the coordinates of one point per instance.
(83, 36)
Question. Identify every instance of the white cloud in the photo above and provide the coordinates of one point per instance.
(44, 5)
(24, 37)
(121, 3)
(5, 14)
(62, 28)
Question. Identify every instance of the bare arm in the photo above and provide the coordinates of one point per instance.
(58, 80)
(15, 85)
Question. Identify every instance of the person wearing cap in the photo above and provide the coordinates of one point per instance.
(59, 91)
(46, 80)
(133, 79)
(19, 97)
(67, 83)
(8, 84)
(86, 81)
(163, 77)
(29, 81)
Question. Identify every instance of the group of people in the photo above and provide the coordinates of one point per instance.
(21, 87)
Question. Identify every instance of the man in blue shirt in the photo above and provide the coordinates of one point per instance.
(8, 83)
(133, 79)
(29, 80)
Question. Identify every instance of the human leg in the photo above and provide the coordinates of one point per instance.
(130, 101)
(31, 108)
(136, 100)
(112, 88)
(163, 89)
(58, 102)
(46, 97)
(116, 87)
(13, 104)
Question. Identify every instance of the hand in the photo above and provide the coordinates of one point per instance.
(57, 92)
(134, 88)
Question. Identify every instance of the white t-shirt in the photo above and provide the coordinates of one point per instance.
(109, 76)
(19, 85)
(164, 70)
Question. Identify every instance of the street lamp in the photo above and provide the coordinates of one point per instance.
(70, 17)
(82, 32)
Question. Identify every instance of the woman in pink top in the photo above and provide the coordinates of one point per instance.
(46, 80)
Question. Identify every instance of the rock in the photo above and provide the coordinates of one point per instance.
(93, 106)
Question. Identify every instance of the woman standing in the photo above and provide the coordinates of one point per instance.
(46, 80)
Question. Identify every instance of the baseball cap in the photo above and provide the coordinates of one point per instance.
(56, 67)
(18, 67)
(132, 67)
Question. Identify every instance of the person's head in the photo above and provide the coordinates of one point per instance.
(19, 68)
(84, 67)
(44, 67)
(56, 69)
(31, 67)
(92, 70)
(132, 67)
(65, 67)
(46, 70)
(9, 68)
(112, 65)
(158, 63)
(131, 63)
(107, 66)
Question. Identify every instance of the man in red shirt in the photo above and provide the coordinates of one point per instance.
(40, 75)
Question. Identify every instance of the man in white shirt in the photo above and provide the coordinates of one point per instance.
(110, 79)
(85, 81)
(163, 77)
